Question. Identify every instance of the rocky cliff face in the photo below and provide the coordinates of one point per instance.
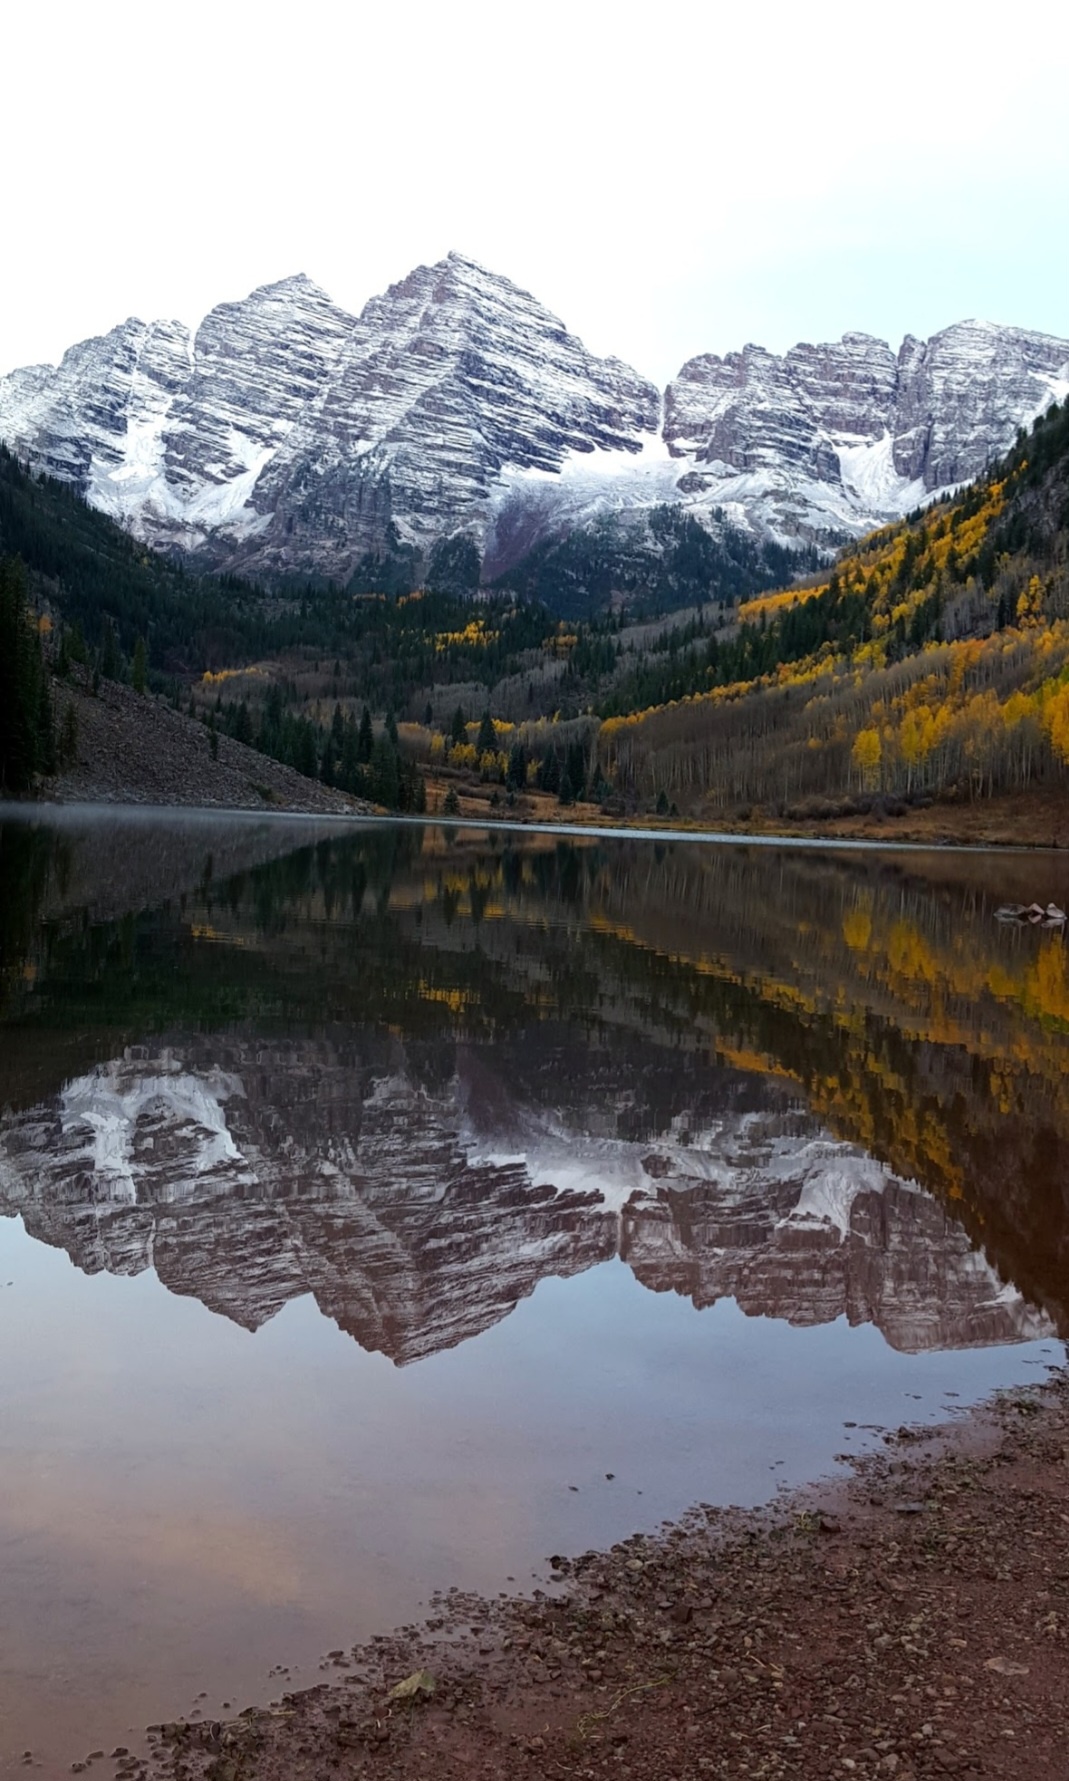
(248, 1173)
(845, 435)
(288, 435)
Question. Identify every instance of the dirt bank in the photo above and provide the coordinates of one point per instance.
(1038, 818)
(909, 1624)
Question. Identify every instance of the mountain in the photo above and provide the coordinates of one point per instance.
(851, 432)
(290, 436)
(248, 1173)
(933, 661)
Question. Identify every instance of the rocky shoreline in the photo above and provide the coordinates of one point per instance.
(910, 1623)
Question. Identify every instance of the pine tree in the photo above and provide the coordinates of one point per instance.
(68, 741)
(516, 776)
(139, 672)
(27, 741)
(486, 742)
(306, 754)
(385, 774)
(365, 738)
(350, 772)
(109, 656)
(549, 774)
(458, 729)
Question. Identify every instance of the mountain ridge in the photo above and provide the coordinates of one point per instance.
(286, 435)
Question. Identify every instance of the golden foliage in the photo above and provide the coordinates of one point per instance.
(474, 636)
(866, 754)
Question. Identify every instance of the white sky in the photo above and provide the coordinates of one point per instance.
(670, 179)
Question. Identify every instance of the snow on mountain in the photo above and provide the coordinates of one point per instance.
(289, 435)
(99, 413)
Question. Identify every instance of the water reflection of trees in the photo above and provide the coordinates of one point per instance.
(879, 992)
(32, 862)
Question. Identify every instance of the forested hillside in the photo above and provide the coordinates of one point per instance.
(294, 668)
(651, 564)
(933, 659)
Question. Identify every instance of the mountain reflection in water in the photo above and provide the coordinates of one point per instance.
(525, 1159)
(413, 1072)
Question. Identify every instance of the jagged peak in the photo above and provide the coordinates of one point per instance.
(464, 274)
(982, 327)
(455, 381)
(467, 261)
(297, 284)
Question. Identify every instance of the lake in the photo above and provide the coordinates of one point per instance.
(385, 1208)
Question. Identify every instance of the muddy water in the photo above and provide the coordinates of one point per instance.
(388, 1209)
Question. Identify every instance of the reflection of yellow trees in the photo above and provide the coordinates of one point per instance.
(912, 1023)
(909, 1033)
(909, 955)
(857, 929)
(456, 1000)
(1046, 987)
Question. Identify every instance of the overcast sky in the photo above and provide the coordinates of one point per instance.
(669, 178)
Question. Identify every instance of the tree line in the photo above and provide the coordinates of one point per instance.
(27, 730)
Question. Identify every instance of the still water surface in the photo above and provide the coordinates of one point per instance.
(368, 1196)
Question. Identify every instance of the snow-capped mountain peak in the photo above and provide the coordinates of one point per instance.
(290, 435)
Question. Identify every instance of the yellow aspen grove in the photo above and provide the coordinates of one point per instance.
(866, 755)
(1056, 720)
(1030, 603)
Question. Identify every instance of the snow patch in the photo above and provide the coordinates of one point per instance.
(99, 1113)
(222, 503)
(869, 477)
